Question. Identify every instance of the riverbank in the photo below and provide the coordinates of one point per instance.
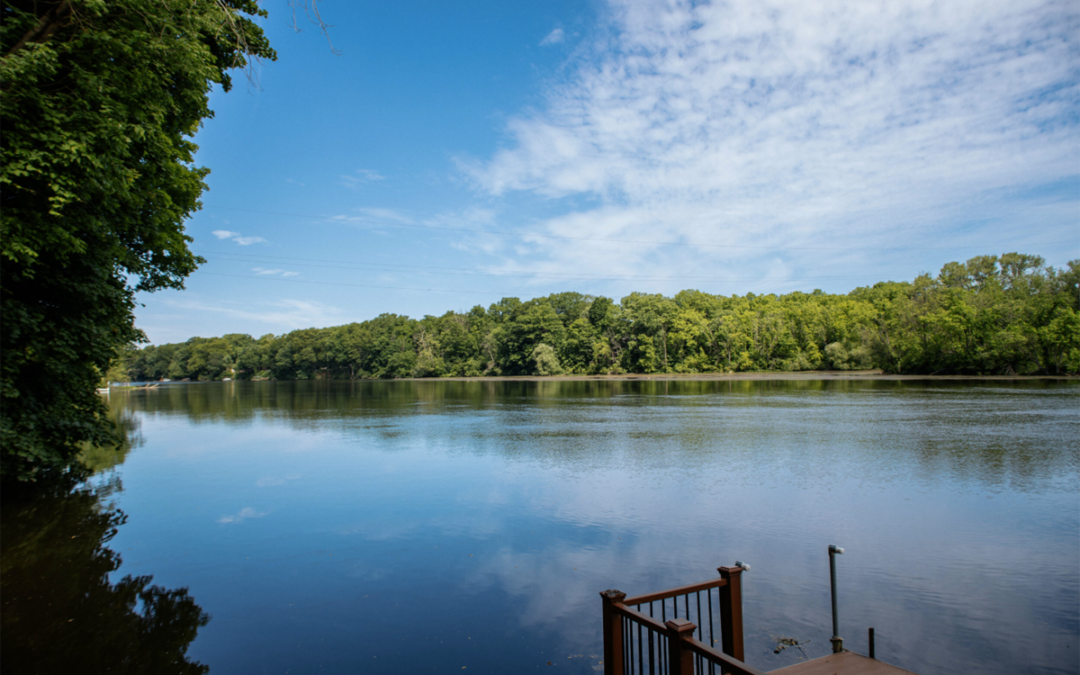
(793, 376)
(782, 376)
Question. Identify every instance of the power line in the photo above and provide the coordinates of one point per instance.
(406, 288)
(523, 235)
(338, 283)
(464, 271)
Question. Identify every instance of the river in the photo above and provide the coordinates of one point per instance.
(428, 526)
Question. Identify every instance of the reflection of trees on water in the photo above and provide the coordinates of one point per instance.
(98, 458)
(61, 613)
(994, 433)
(238, 401)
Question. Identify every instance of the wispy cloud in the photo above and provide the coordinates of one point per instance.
(361, 177)
(271, 481)
(242, 515)
(237, 237)
(802, 130)
(374, 217)
(282, 314)
(262, 271)
(553, 38)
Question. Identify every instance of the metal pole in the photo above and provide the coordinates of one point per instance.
(837, 641)
(872, 643)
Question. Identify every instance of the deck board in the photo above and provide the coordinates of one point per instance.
(844, 663)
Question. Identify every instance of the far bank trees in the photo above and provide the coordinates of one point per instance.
(992, 315)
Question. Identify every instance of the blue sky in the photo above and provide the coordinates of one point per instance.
(455, 153)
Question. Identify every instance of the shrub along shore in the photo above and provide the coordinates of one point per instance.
(1007, 315)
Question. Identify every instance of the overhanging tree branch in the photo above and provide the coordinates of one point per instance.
(48, 24)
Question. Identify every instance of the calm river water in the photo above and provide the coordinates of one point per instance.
(370, 527)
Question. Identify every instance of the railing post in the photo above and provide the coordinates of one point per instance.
(613, 633)
(731, 628)
(680, 659)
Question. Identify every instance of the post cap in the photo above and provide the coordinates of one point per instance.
(680, 626)
(613, 595)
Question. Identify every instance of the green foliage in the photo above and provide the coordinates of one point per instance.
(99, 104)
(1007, 315)
(547, 362)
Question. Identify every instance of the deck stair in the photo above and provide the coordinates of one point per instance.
(675, 632)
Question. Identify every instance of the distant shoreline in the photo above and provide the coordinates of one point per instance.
(805, 375)
(799, 375)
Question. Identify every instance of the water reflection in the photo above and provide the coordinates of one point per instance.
(102, 458)
(63, 609)
(391, 526)
(817, 427)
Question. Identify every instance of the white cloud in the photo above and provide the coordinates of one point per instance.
(553, 38)
(242, 515)
(262, 271)
(247, 241)
(361, 177)
(284, 315)
(375, 216)
(235, 236)
(748, 130)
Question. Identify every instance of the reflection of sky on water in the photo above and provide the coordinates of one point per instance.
(479, 527)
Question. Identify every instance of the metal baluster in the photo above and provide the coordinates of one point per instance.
(700, 631)
(640, 654)
(652, 661)
(712, 640)
(639, 670)
(652, 658)
(700, 625)
(662, 643)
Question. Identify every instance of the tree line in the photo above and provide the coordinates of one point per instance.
(993, 315)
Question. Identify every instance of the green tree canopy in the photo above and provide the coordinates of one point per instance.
(993, 315)
(100, 102)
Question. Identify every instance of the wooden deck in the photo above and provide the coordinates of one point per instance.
(844, 663)
(662, 632)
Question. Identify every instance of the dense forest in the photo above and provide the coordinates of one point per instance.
(992, 315)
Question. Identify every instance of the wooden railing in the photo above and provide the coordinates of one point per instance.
(637, 641)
